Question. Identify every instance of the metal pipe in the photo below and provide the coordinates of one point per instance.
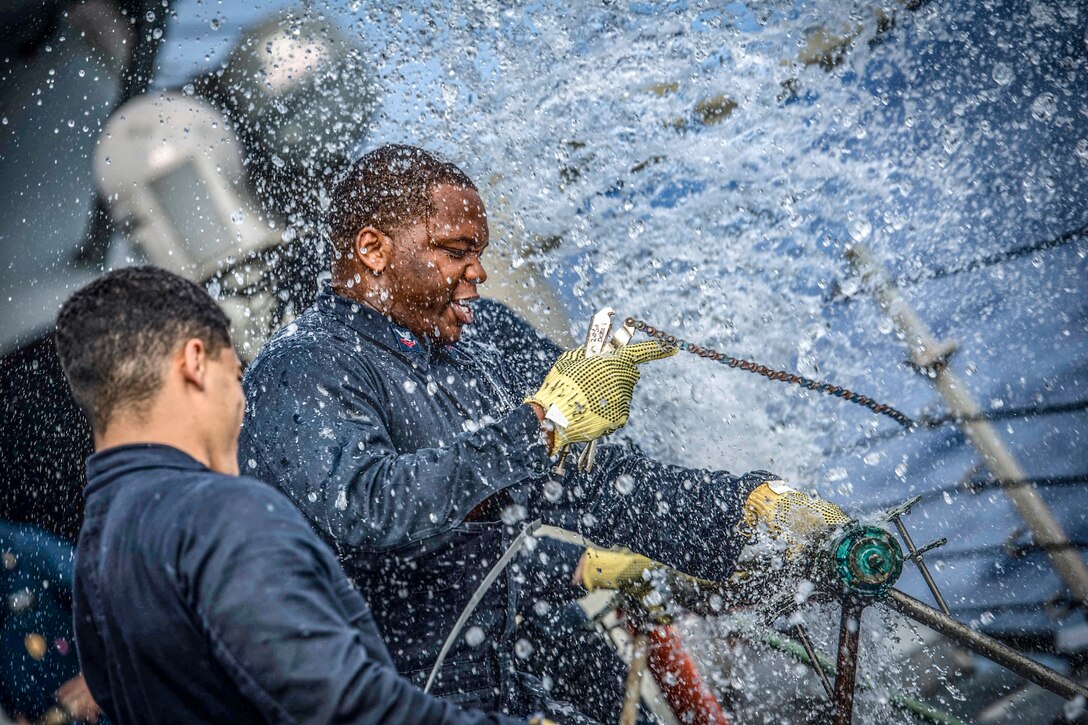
(846, 666)
(986, 646)
(921, 565)
(928, 354)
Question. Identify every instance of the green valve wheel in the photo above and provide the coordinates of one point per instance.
(866, 560)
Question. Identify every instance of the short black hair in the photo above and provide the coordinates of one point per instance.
(115, 334)
(388, 188)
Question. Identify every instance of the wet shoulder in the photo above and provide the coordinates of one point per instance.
(312, 345)
(237, 503)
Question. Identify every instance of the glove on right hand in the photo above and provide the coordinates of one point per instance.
(790, 514)
(592, 396)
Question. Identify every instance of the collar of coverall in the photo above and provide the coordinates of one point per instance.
(108, 465)
(379, 329)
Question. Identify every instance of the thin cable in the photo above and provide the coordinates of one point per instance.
(1013, 551)
(478, 595)
(1005, 413)
(977, 487)
(989, 261)
(942, 420)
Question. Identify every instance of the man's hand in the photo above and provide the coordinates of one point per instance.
(790, 515)
(588, 398)
(76, 699)
(655, 586)
(619, 569)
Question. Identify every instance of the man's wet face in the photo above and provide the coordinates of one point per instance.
(436, 266)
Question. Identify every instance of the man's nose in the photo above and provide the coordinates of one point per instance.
(475, 271)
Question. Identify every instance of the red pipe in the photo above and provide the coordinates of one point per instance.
(679, 680)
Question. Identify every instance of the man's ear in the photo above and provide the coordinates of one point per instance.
(194, 361)
(373, 249)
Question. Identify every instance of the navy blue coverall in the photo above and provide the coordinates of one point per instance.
(201, 597)
(391, 445)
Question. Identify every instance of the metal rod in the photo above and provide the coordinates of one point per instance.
(921, 565)
(986, 646)
(801, 634)
(633, 691)
(928, 354)
(847, 664)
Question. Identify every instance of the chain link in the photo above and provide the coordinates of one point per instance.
(817, 385)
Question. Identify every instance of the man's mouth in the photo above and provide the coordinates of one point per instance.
(463, 310)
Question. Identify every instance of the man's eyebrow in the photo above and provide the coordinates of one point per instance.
(459, 240)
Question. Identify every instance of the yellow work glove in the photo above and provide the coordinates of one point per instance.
(655, 586)
(789, 514)
(619, 569)
(587, 398)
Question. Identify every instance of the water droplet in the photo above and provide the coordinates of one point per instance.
(188, 89)
(523, 649)
(553, 490)
(156, 33)
(947, 497)
(513, 514)
(251, 463)
(860, 229)
(150, 16)
(986, 618)
(216, 23)
(1003, 74)
(625, 484)
(474, 636)
(410, 386)
(238, 216)
(1080, 150)
(1045, 107)
(804, 591)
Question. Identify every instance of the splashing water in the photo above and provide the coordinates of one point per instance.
(703, 172)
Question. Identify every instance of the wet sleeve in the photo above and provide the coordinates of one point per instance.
(682, 517)
(318, 430)
(547, 569)
(298, 641)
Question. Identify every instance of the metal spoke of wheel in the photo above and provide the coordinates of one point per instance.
(847, 663)
(983, 645)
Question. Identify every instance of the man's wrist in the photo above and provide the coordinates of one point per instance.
(549, 434)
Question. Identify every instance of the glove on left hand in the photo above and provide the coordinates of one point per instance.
(617, 569)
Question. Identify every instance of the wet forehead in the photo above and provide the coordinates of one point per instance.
(459, 214)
